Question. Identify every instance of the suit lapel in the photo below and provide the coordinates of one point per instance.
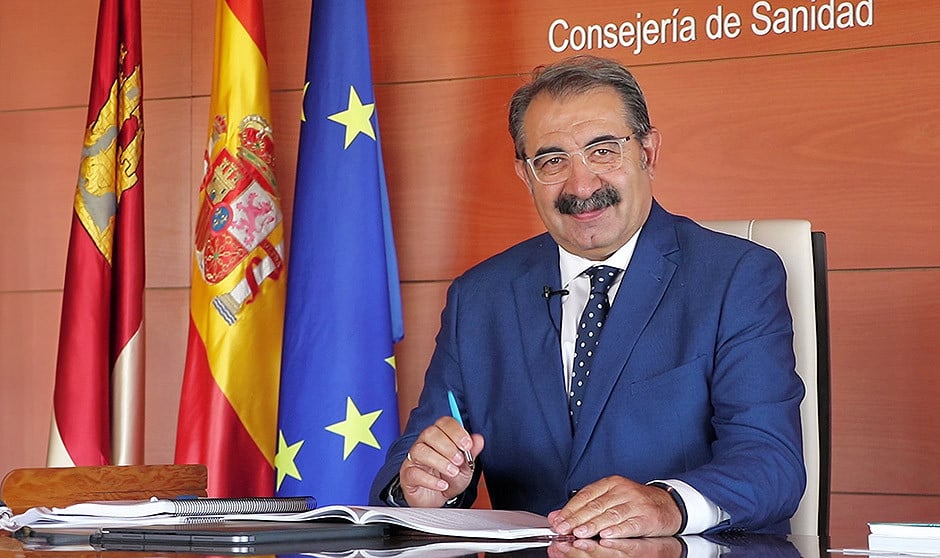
(641, 291)
(538, 319)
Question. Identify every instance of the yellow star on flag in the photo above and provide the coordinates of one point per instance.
(391, 362)
(356, 429)
(284, 459)
(356, 118)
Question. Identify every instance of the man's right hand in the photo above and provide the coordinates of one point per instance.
(436, 469)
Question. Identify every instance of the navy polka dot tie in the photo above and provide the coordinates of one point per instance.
(589, 329)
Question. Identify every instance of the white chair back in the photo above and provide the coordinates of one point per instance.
(792, 240)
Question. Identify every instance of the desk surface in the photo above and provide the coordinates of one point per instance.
(738, 545)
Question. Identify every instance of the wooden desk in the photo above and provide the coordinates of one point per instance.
(741, 545)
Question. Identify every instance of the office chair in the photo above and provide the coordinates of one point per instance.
(804, 256)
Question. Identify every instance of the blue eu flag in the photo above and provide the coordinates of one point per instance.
(338, 409)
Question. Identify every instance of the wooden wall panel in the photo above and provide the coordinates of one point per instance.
(41, 66)
(28, 338)
(167, 315)
(199, 135)
(203, 33)
(454, 195)
(422, 303)
(850, 514)
(789, 142)
(885, 358)
(44, 69)
(40, 169)
(166, 36)
(836, 138)
(414, 40)
(167, 192)
(287, 25)
(285, 119)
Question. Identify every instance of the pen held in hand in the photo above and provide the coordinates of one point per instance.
(455, 412)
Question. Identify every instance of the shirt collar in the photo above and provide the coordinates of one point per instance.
(571, 265)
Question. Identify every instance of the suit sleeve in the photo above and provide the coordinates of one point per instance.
(757, 473)
(443, 374)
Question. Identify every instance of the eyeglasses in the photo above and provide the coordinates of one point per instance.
(599, 157)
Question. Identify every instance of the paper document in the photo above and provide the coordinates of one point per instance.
(487, 524)
(899, 539)
(922, 530)
(472, 523)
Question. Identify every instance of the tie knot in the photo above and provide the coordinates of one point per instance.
(602, 277)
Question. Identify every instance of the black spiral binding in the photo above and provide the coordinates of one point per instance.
(224, 506)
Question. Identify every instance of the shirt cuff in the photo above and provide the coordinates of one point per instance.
(395, 497)
(392, 495)
(702, 513)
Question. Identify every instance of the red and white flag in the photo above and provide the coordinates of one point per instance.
(98, 408)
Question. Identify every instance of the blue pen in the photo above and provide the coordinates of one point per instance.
(455, 412)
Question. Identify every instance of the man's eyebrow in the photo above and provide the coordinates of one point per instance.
(605, 137)
(556, 149)
(548, 149)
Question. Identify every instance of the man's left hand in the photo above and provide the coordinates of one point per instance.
(617, 507)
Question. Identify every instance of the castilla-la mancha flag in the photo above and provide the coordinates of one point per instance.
(228, 407)
(98, 407)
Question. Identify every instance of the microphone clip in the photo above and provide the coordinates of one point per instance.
(548, 293)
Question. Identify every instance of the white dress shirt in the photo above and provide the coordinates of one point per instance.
(702, 512)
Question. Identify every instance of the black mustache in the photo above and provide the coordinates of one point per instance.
(568, 204)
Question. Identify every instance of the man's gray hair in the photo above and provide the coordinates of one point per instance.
(573, 76)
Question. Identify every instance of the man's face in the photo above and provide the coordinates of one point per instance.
(591, 228)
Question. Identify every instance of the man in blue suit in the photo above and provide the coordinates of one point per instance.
(684, 418)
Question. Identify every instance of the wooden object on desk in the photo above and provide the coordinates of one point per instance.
(62, 486)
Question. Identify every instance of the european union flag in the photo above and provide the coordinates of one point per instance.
(338, 407)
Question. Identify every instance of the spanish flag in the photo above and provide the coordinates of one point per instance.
(228, 407)
(98, 407)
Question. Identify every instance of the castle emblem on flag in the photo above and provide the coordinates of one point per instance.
(110, 159)
(239, 210)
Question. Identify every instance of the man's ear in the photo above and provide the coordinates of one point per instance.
(522, 173)
(650, 147)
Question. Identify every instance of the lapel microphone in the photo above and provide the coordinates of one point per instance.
(548, 293)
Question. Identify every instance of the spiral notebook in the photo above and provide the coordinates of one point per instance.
(190, 506)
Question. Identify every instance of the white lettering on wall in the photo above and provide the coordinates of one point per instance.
(822, 16)
(633, 34)
(643, 32)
